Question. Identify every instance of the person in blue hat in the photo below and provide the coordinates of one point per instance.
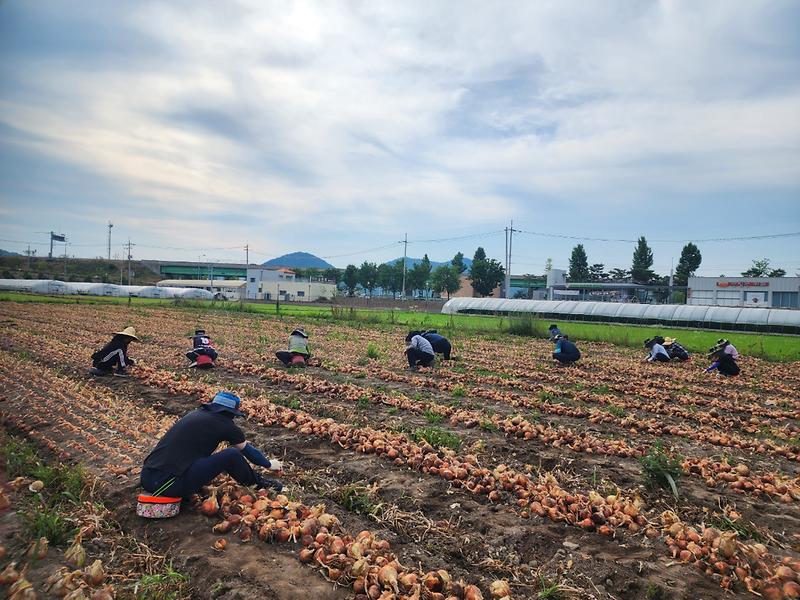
(184, 460)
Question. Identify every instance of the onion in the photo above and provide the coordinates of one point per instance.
(94, 574)
(432, 581)
(727, 545)
(471, 592)
(9, 574)
(75, 554)
(359, 568)
(387, 576)
(785, 573)
(499, 589)
(791, 589)
(220, 544)
(210, 507)
(222, 527)
(408, 581)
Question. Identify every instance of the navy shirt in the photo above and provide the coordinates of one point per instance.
(439, 342)
(192, 437)
(201, 341)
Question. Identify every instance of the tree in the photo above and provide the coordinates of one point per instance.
(350, 279)
(618, 274)
(332, 274)
(597, 272)
(390, 277)
(761, 268)
(642, 261)
(548, 265)
(689, 263)
(368, 276)
(419, 274)
(446, 278)
(578, 265)
(458, 262)
(485, 274)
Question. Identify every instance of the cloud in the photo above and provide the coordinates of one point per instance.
(369, 117)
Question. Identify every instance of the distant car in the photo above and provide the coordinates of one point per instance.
(220, 296)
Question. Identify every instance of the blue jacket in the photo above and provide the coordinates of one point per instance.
(567, 348)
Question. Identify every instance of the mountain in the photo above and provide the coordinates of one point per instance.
(410, 262)
(7, 253)
(298, 260)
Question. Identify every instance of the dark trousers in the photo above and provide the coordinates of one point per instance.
(565, 359)
(286, 357)
(193, 354)
(109, 361)
(444, 348)
(661, 358)
(202, 472)
(730, 369)
(417, 357)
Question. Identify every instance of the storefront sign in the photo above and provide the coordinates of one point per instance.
(724, 284)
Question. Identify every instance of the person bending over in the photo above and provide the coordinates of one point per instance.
(441, 345)
(114, 354)
(565, 351)
(184, 460)
(675, 350)
(657, 352)
(723, 362)
(419, 351)
(201, 346)
(298, 354)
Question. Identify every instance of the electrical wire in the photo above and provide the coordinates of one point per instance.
(628, 241)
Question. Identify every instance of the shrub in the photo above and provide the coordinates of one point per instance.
(437, 437)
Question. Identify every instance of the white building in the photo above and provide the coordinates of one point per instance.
(296, 291)
(752, 292)
(228, 289)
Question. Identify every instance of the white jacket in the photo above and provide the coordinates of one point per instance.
(420, 343)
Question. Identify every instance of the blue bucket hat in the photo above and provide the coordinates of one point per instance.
(225, 402)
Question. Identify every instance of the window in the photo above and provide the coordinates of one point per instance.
(755, 298)
(786, 299)
(729, 298)
(301, 293)
(252, 280)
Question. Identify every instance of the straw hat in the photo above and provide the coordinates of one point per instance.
(669, 341)
(129, 331)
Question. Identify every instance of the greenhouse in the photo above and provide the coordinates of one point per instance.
(677, 315)
(60, 288)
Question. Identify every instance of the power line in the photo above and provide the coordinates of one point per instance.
(629, 241)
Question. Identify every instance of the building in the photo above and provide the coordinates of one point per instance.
(295, 291)
(253, 275)
(752, 292)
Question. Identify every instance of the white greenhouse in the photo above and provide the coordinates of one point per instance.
(61, 288)
(679, 315)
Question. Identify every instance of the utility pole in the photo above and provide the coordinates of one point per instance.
(405, 254)
(28, 252)
(129, 246)
(110, 225)
(65, 262)
(509, 241)
(247, 254)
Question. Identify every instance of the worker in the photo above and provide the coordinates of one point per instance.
(728, 348)
(675, 350)
(723, 362)
(298, 354)
(201, 347)
(657, 351)
(441, 345)
(565, 352)
(184, 460)
(114, 354)
(419, 351)
(554, 331)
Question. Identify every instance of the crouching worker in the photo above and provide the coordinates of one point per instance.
(203, 354)
(298, 353)
(675, 350)
(439, 343)
(723, 362)
(657, 351)
(114, 354)
(184, 460)
(419, 351)
(565, 351)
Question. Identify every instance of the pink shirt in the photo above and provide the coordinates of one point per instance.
(731, 349)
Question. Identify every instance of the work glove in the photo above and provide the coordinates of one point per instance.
(131, 362)
(275, 465)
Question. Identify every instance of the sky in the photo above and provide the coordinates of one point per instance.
(338, 127)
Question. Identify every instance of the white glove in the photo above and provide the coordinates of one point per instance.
(275, 465)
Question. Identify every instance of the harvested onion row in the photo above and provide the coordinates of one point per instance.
(363, 562)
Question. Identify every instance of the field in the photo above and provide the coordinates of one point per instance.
(496, 474)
